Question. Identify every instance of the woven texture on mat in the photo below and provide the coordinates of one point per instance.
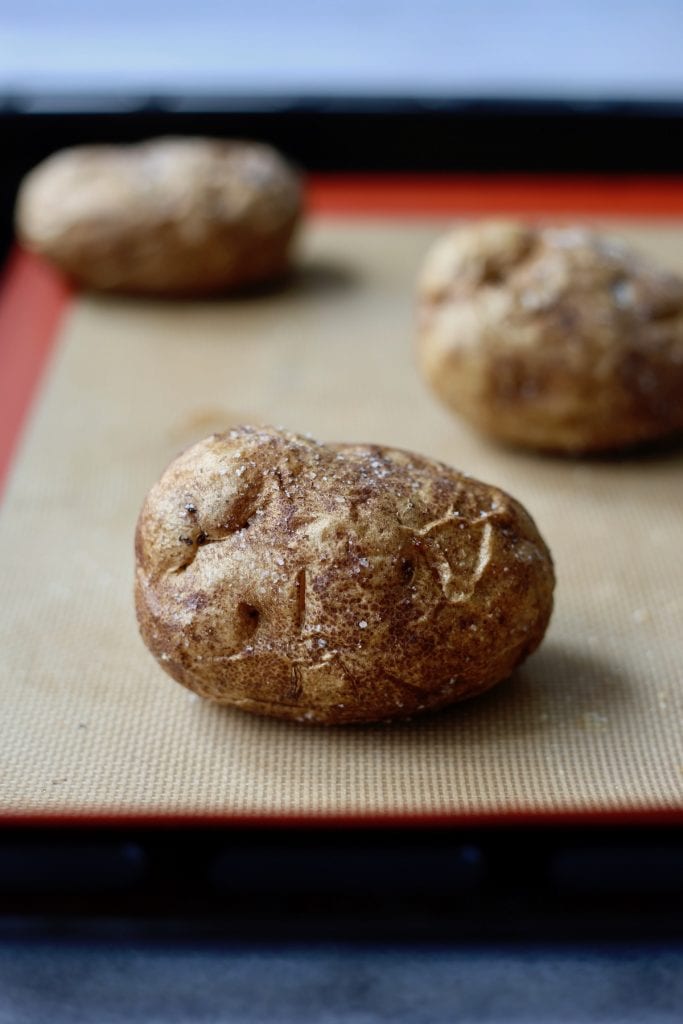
(91, 724)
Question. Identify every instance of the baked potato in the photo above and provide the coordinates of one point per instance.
(167, 216)
(335, 583)
(556, 339)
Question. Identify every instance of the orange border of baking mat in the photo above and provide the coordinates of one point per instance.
(422, 195)
(33, 299)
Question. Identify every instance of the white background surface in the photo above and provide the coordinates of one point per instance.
(586, 48)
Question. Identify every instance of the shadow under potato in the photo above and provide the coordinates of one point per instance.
(642, 452)
(320, 277)
(552, 690)
(323, 277)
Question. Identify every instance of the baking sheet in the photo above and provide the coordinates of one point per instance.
(90, 725)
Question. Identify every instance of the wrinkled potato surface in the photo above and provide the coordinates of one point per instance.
(168, 216)
(552, 338)
(335, 583)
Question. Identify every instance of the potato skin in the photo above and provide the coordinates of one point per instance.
(554, 339)
(167, 216)
(334, 583)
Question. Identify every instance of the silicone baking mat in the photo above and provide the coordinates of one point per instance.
(91, 726)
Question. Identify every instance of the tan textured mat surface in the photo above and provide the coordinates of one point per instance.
(90, 723)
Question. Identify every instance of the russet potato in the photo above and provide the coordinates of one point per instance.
(557, 339)
(335, 583)
(168, 216)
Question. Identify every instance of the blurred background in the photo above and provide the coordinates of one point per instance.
(614, 50)
(361, 86)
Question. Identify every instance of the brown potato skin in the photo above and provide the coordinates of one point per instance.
(552, 338)
(335, 583)
(168, 216)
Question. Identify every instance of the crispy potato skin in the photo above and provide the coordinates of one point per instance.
(335, 583)
(167, 216)
(554, 339)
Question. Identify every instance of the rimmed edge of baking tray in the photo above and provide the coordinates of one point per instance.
(357, 819)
